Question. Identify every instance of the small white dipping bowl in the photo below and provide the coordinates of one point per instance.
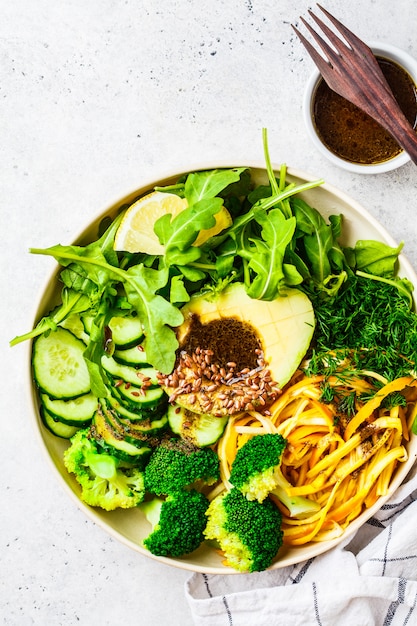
(386, 51)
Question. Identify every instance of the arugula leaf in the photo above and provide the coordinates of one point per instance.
(95, 349)
(276, 187)
(317, 238)
(181, 232)
(267, 255)
(298, 263)
(267, 203)
(106, 241)
(100, 272)
(209, 184)
(72, 302)
(336, 223)
(178, 257)
(156, 313)
(259, 193)
(178, 293)
(375, 257)
(76, 277)
(292, 276)
(193, 274)
(224, 264)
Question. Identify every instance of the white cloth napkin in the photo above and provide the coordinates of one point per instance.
(370, 580)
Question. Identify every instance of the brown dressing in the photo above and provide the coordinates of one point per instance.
(230, 340)
(349, 132)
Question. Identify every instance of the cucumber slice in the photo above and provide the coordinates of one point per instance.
(58, 363)
(133, 397)
(127, 373)
(57, 428)
(135, 414)
(75, 412)
(131, 356)
(126, 331)
(201, 429)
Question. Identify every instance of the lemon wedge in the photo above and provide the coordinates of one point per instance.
(136, 230)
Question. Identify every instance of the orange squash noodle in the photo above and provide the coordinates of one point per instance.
(343, 462)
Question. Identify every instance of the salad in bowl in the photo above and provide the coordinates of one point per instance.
(223, 368)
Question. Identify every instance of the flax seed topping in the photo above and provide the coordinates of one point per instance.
(219, 389)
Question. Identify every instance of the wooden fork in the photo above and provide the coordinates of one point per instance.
(353, 72)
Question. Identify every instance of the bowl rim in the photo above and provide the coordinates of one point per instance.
(399, 56)
(95, 516)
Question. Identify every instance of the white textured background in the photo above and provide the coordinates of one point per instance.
(97, 96)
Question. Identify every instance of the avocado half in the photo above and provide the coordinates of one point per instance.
(235, 326)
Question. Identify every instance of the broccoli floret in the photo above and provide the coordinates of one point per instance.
(106, 481)
(176, 464)
(256, 472)
(248, 532)
(253, 469)
(177, 522)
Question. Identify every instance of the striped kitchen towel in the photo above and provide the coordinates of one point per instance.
(367, 580)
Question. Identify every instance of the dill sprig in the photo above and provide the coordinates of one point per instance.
(369, 326)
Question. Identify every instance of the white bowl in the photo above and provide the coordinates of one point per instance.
(130, 526)
(384, 50)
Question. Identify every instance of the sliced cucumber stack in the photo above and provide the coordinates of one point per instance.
(135, 406)
(60, 372)
(135, 393)
(111, 438)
